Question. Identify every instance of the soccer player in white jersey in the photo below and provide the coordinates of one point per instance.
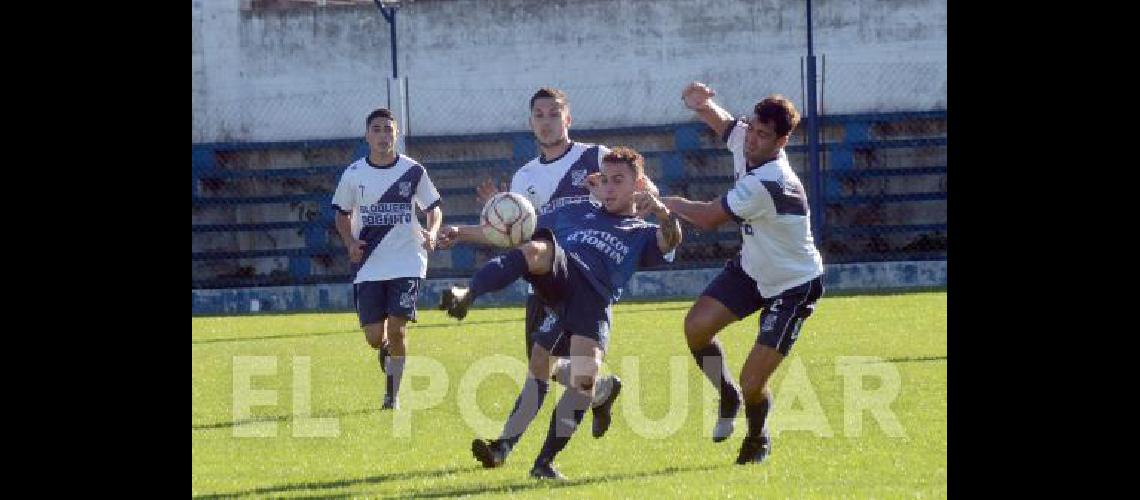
(778, 269)
(557, 177)
(376, 202)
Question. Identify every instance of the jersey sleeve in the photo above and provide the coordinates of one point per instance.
(734, 136)
(650, 253)
(344, 198)
(748, 199)
(427, 197)
(549, 220)
(517, 185)
(602, 152)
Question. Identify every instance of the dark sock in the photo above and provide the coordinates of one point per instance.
(499, 272)
(395, 374)
(710, 359)
(757, 414)
(530, 400)
(563, 422)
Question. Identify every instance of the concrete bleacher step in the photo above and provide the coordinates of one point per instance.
(261, 204)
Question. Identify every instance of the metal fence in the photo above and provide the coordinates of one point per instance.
(261, 215)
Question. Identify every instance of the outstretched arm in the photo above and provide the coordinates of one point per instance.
(706, 215)
(451, 235)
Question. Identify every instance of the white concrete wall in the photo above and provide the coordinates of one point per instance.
(472, 64)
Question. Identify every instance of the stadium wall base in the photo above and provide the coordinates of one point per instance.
(645, 285)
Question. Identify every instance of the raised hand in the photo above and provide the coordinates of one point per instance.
(696, 96)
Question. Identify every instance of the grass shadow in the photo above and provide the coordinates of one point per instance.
(531, 484)
(901, 359)
(343, 483)
(280, 418)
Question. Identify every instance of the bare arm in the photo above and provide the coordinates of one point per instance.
(344, 229)
(698, 97)
(452, 235)
(706, 215)
(434, 219)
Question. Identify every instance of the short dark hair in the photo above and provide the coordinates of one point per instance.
(778, 110)
(629, 156)
(551, 93)
(378, 113)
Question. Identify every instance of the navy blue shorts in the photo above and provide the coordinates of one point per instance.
(782, 315)
(538, 318)
(578, 307)
(376, 300)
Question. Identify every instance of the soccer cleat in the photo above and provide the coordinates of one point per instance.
(725, 424)
(489, 452)
(390, 403)
(603, 413)
(543, 470)
(754, 450)
(455, 301)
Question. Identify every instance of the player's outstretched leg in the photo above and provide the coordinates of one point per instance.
(535, 257)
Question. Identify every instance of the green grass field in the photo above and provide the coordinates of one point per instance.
(817, 450)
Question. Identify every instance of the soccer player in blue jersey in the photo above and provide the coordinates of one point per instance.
(375, 203)
(579, 260)
(778, 271)
(555, 178)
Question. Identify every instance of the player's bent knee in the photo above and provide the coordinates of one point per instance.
(540, 363)
(699, 329)
(752, 384)
(539, 255)
(374, 335)
(533, 249)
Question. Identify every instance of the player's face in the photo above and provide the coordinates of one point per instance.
(617, 182)
(381, 135)
(761, 142)
(550, 121)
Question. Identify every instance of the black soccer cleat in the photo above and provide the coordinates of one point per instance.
(603, 413)
(455, 301)
(726, 422)
(489, 452)
(754, 450)
(390, 403)
(542, 470)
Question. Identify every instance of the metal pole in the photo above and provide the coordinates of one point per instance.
(813, 139)
(392, 31)
(389, 14)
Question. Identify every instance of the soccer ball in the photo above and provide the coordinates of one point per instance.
(508, 219)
